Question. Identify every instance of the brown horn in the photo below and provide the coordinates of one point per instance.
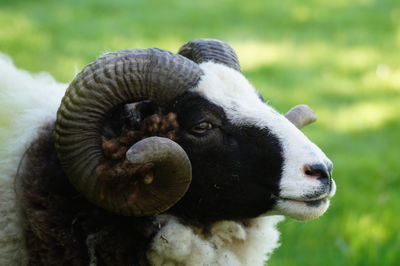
(111, 81)
(203, 50)
(301, 115)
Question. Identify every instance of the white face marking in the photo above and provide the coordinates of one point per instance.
(231, 90)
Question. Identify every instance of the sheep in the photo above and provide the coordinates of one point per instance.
(153, 158)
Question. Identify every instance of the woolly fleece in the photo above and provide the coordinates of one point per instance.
(27, 101)
(228, 243)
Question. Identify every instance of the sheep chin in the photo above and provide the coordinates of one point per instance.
(302, 211)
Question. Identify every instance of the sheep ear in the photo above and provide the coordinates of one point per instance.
(128, 117)
(136, 112)
(301, 115)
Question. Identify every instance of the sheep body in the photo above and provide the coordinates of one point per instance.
(31, 101)
(69, 184)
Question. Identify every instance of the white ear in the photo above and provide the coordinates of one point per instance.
(301, 115)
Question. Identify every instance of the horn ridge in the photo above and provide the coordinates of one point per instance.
(204, 50)
(110, 81)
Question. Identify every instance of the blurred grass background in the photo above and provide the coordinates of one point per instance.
(341, 57)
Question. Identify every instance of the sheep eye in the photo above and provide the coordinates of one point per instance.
(202, 127)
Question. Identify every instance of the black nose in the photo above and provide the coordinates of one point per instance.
(318, 171)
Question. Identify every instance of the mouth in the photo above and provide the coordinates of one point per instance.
(310, 202)
(304, 208)
(307, 206)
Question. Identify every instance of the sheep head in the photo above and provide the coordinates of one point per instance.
(233, 157)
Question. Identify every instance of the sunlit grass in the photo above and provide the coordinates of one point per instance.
(340, 57)
(360, 116)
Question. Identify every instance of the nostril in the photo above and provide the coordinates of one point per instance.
(318, 171)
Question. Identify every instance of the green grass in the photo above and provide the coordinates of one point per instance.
(339, 56)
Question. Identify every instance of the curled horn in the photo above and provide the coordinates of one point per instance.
(301, 115)
(107, 83)
(203, 50)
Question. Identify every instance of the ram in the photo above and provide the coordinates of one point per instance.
(153, 158)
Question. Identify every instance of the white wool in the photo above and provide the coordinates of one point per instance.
(225, 242)
(28, 101)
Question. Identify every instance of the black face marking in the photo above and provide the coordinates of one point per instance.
(236, 169)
